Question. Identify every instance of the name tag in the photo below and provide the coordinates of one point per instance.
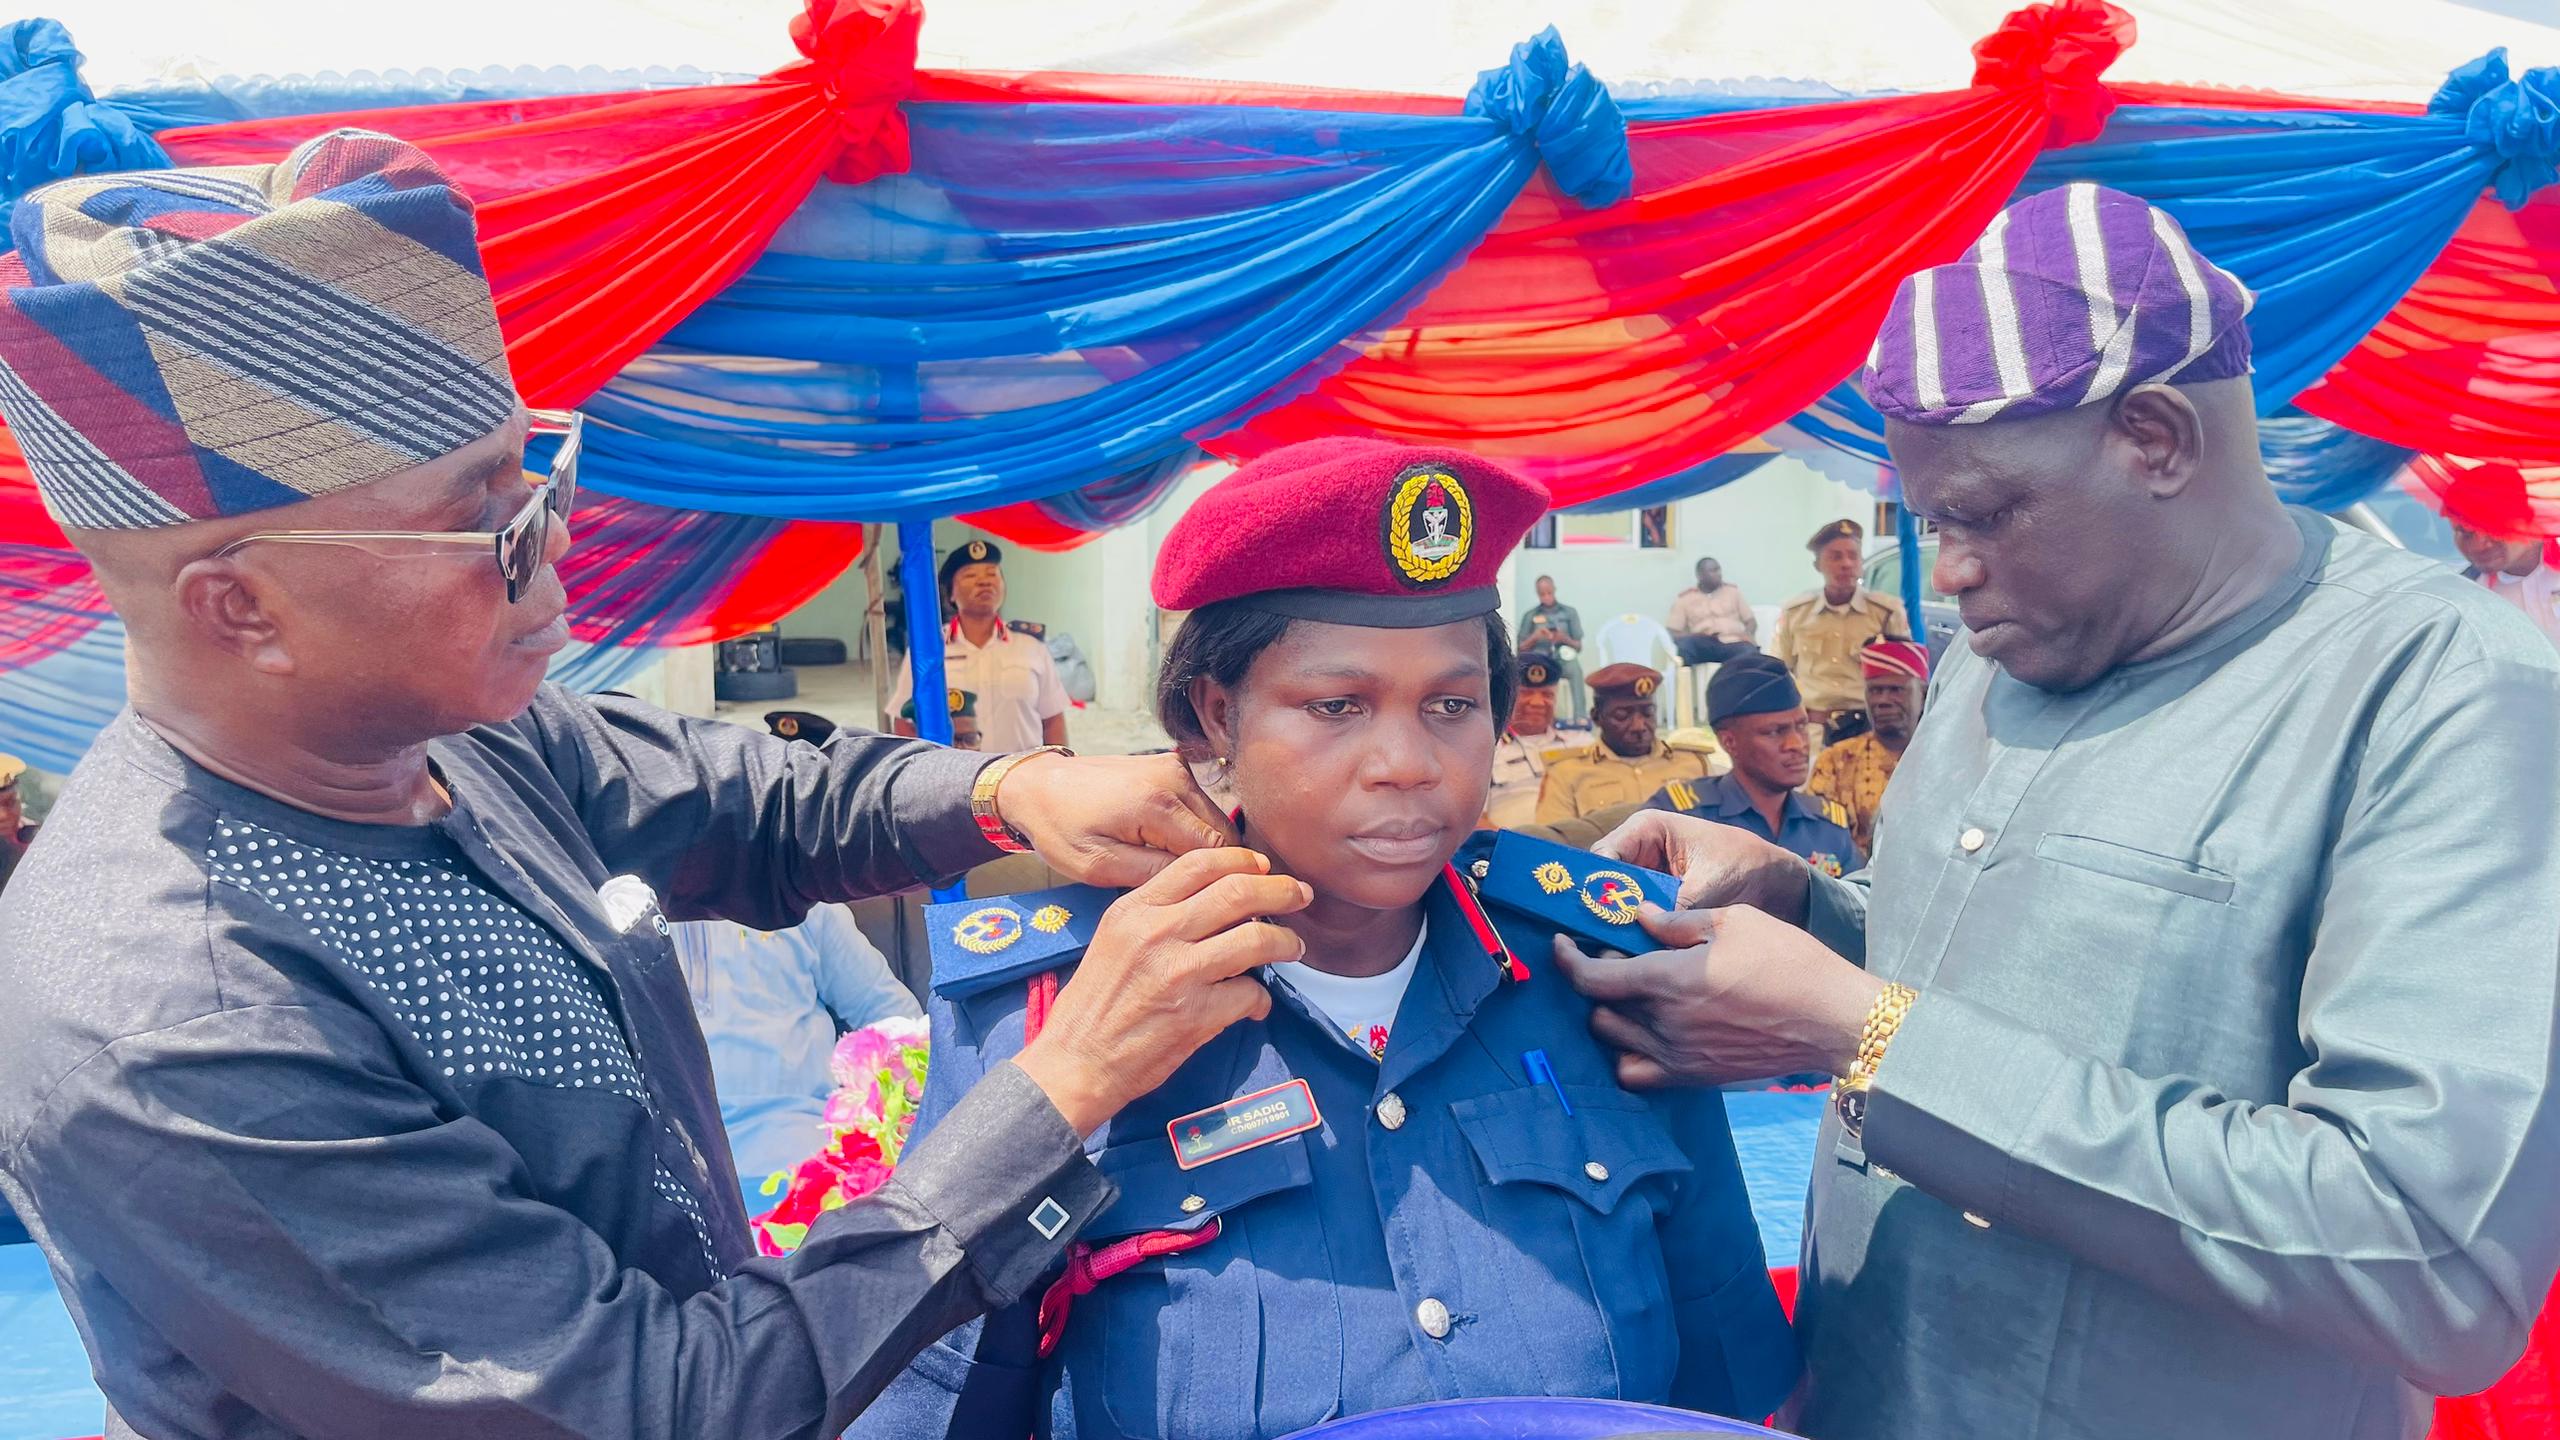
(1243, 1123)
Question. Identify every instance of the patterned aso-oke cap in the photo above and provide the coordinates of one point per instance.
(181, 345)
(2069, 298)
(1894, 657)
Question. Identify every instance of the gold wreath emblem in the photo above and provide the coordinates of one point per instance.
(1417, 567)
(1613, 895)
(987, 930)
(1050, 919)
(1553, 878)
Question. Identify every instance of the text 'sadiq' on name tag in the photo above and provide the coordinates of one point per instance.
(1242, 1123)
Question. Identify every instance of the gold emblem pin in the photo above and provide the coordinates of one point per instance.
(1050, 919)
(987, 930)
(1612, 895)
(1553, 878)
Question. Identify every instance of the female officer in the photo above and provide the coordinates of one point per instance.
(1416, 1178)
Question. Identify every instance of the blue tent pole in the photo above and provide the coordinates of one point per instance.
(924, 641)
(1906, 529)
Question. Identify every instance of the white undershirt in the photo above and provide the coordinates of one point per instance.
(1356, 1003)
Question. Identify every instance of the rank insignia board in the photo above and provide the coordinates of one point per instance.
(1593, 900)
(981, 944)
(1242, 1124)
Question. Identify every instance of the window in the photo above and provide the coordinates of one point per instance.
(1647, 529)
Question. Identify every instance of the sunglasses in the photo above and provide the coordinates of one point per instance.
(518, 546)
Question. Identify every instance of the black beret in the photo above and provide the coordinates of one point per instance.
(971, 552)
(1537, 671)
(1750, 685)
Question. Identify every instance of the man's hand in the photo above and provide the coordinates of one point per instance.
(1716, 864)
(1734, 995)
(1165, 974)
(1116, 821)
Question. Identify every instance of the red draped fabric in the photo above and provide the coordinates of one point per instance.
(2523, 1406)
(2469, 361)
(605, 219)
(2494, 497)
(1744, 277)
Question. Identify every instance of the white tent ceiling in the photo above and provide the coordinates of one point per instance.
(2365, 49)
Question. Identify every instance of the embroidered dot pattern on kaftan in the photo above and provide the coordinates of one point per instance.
(486, 991)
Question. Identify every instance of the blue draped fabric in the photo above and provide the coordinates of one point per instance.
(50, 125)
(1058, 295)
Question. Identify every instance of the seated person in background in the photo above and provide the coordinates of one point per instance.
(1415, 1178)
(965, 734)
(1853, 773)
(1710, 622)
(1554, 629)
(1520, 756)
(1628, 761)
(1759, 717)
(2513, 568)
(771, 1003)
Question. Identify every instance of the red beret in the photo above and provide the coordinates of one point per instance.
(1353, 531)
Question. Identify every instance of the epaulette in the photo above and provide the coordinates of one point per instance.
(1032, 628)
(981, 944)
(1683, 794)
(1691, 747)
(1575, 891)
(1838, 813)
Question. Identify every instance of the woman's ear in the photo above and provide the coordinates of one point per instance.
(1215, 705)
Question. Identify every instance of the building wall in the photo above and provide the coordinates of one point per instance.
(1098, 592)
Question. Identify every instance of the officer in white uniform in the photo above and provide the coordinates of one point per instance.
(1021, 702)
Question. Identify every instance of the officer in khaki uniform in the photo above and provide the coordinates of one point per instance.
(1822, 631)
(1521, 756)
(1628, 762)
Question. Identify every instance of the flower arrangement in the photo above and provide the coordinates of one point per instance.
(879, 1073)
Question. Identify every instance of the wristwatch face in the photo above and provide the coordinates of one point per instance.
(1853, 1111)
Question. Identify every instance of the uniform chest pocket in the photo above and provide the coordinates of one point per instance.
(1180, 1346)
(2123, 937)
(1570, 1204)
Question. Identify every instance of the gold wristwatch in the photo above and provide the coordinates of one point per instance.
(982, 800)
(1849, 1092)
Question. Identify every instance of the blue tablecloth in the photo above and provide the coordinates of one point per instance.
(45, 1392)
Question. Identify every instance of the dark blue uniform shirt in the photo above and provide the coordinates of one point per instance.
(1609, 1251)
(1814, 828)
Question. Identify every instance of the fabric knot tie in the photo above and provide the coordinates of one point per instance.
(2517, 119)
(51, 127)
(2062, 49)
(862, 57)
(1567, 115)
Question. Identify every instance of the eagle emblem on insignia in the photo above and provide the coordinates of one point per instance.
(1430, 525)
(1612, 895)
(1553, 878)
(986, 930)
(1050, 919)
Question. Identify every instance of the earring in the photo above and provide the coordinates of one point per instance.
(1224, 762)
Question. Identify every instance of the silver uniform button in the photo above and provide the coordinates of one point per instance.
(1434, 1319)
(1973, 839)
(1976, 1221)
(1598, 1172)
(1391, 1110)
(1480, 869)
(1193, 1204)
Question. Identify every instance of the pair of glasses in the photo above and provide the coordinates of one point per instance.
(518, 546)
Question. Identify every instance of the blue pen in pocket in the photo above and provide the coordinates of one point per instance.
(1541, 1072)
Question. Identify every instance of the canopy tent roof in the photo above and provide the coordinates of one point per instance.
(2347, 49)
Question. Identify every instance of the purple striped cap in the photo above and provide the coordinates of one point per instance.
(2069, 297)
